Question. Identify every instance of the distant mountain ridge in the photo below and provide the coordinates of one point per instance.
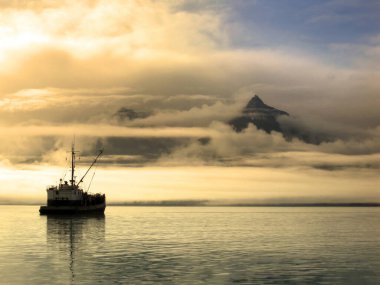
(255, 112)
(129, 114)
(266, 118)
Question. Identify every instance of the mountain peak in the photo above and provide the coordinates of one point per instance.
(264, 117)
(256, 102)
(256, 105)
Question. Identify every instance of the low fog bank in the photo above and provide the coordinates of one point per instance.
(320, 202)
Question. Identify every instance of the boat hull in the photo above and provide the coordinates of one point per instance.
(90, 209)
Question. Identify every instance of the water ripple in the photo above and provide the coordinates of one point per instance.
(152, 245)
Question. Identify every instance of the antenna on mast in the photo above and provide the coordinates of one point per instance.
(72, 161)
(73, 153)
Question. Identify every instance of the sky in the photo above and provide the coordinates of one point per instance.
(155, 84)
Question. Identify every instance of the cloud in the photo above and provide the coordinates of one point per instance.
(195, 136)
(102, 130)
(174, 60)
(167, 52)
(195, 116)
(125, 27)
(256, 148)
(317, 130)
(311, 88)
(48, 144)
(67, 67)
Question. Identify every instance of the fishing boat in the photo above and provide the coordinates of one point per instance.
(69, 197)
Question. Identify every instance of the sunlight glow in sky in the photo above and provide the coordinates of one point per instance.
(179, 71)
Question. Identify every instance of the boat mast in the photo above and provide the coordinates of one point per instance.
(72, 164)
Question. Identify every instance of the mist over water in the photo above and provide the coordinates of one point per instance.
(192, 245)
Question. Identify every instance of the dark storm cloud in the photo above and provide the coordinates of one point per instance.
(148, 149)
(317, 130)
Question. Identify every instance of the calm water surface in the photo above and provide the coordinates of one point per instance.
(191, 245)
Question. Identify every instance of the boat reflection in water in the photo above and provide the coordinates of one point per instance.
(74, 242)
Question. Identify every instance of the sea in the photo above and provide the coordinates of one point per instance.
(192, 245)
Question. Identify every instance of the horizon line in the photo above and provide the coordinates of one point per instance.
(203, 204)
